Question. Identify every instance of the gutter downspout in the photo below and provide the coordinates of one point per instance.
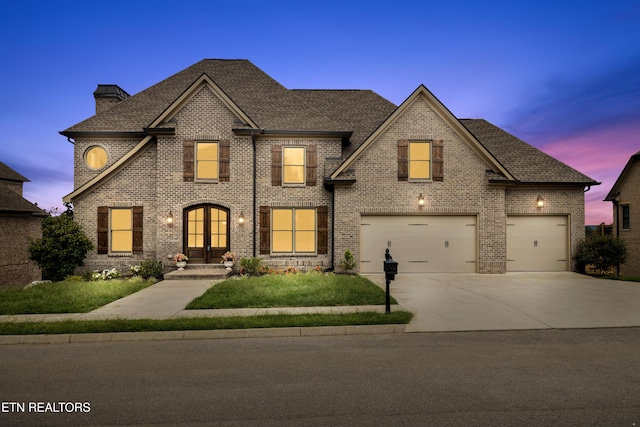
(255, 223)
(333, 228)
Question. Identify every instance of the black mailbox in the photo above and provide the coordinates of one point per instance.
(390, 269)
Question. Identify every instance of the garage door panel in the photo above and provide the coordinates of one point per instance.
(537, 243)
(419, 243)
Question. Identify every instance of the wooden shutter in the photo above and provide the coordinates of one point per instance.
(103, 230)
(276, 165)
(323, 229)
(312, 165)
(265, 229)
(188, 160)
(403, 160)
(438, 160)
(137, 229)
(223, 160)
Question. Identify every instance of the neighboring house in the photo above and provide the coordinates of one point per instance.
(625, 195)
(20, 222)
(221, 157)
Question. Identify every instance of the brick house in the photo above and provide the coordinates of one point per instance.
(625, 196)
(20, 222)
(221, 157)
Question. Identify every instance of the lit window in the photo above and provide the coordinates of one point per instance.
(207, 160)
(121, 223)
(95, 157)
(419, 160)
(294, 230)
(293, 165)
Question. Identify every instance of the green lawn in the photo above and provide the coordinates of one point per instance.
(67, 297)
(184, 324)
(295, 290)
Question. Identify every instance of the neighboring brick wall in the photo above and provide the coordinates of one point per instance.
(15, 234)
(630, 194)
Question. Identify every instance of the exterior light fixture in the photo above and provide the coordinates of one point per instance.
(540, 202)
(241, 218)
(170, 219)
(421, 200)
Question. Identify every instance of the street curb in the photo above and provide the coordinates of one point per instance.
(293, 332)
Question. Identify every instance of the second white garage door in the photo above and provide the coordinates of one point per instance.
(537, 243)
(420, 244)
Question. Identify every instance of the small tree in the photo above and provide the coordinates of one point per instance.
(601, 251)
(348, 262)
(61, 248)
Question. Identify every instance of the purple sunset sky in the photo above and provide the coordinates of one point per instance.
(563, 76)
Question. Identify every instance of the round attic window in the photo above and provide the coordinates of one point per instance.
(95, 157)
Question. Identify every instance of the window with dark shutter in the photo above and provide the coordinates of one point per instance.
(265, 229)
(137, 229)
(225, 171)
(403, 160)
(103, 230)
(323, 229)
(276, 165)
(438, 160)
(188, 160)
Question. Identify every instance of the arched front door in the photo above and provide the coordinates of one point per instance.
(206, 233)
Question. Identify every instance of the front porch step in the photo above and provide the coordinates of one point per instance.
(199, 272)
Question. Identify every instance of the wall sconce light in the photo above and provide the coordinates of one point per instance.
(241, 218)
(540, 202)
(421, 200)
(170, 219)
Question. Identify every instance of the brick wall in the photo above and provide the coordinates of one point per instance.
(630, 194)
(15, 234)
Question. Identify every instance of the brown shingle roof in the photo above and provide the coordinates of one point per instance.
(265, 101)
(8, 174)
(526, 163)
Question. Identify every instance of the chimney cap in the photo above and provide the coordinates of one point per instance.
(110, 91)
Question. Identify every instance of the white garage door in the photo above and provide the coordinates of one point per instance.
(420, 244)
(537, 243)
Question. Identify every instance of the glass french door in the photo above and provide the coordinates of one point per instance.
(206, 233)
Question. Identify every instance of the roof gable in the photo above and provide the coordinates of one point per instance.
(622, 178)
(190, 92)
(447, 117)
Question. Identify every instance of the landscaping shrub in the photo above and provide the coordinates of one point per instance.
(61, 248)
(602, 252)
(348, 262)
(150, 268)
(251, 266)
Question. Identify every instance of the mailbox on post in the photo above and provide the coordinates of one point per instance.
(390, 271)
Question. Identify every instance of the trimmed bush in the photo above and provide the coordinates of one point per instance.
(251, 266)
(602, 252)
(61, 248)
(348, 262)
(150, 268)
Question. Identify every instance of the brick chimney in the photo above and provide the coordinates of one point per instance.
(107, 96)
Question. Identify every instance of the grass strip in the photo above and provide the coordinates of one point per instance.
(295, 290)
(209, 323)
(67, 296)
(622, 278)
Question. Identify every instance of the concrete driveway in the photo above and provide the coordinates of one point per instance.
(475, 302)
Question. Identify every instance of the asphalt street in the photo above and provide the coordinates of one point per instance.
(535, 377)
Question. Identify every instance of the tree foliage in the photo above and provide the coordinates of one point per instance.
(62, 247)
(602, 252)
